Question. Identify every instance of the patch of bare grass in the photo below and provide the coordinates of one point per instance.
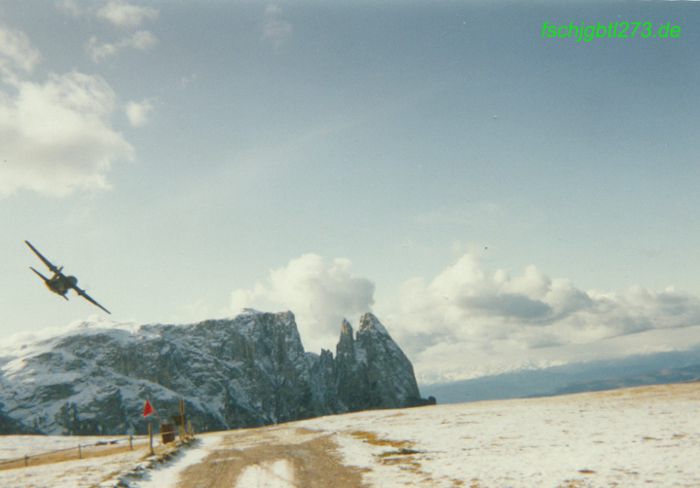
(373, 439)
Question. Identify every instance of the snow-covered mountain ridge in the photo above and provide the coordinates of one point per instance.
(247, 371)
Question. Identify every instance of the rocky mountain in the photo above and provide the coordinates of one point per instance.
(247, 371)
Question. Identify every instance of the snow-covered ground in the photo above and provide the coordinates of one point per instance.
(646, 436)
(80, 473)
(636, 437)
(169, 473)
(71, 472)
(16, 446)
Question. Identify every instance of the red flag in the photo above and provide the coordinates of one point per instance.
(147, 409)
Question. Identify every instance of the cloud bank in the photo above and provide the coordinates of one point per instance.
(468, 321)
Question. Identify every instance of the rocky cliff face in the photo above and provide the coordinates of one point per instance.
(247, 371)
(372, 371)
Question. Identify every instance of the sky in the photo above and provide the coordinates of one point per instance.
(497, 198)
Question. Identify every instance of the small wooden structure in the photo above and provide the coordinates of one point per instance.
(167, 433)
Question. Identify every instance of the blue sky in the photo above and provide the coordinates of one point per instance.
(483, 190)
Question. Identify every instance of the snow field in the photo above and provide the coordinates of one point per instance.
(638, 437)
(81, 473)
(16, 446)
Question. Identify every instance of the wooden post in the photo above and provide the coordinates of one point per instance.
(182, 420)
(131, 442)
(80, 452)
(26, 460)
(150, 437)
(190, 432)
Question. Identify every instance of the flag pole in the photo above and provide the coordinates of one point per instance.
(148, 409)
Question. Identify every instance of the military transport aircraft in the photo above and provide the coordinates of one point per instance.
(60, 283)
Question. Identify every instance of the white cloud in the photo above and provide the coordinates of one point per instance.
(467, 320)
(100, 51)
(16, 53)
(138, 112)
(55, 136)
(319, 293)
(118, 13)
(276, 29)
(126, 15)
(121, 14)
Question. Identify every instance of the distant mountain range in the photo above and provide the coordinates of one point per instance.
(638, 370)
(248, 371)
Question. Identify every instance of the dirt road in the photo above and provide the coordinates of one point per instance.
(280, 457)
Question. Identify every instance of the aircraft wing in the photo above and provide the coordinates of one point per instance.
(46, 280)
(87, 297)
(48, 264)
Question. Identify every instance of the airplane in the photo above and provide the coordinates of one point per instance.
(59, 283)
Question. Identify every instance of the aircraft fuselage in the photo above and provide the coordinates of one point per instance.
(60, 284)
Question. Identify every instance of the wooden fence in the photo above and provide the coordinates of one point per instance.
(95, 449)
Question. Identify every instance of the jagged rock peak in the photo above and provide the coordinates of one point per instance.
(368, 322)
(345, 329)
(346, 343)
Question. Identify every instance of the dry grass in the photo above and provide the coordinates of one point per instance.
(400, 452)
(373, 439)
(688, 390)
(402, 455)
(306, 431)
(572, 484)
(84, 453)
(410, 463)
